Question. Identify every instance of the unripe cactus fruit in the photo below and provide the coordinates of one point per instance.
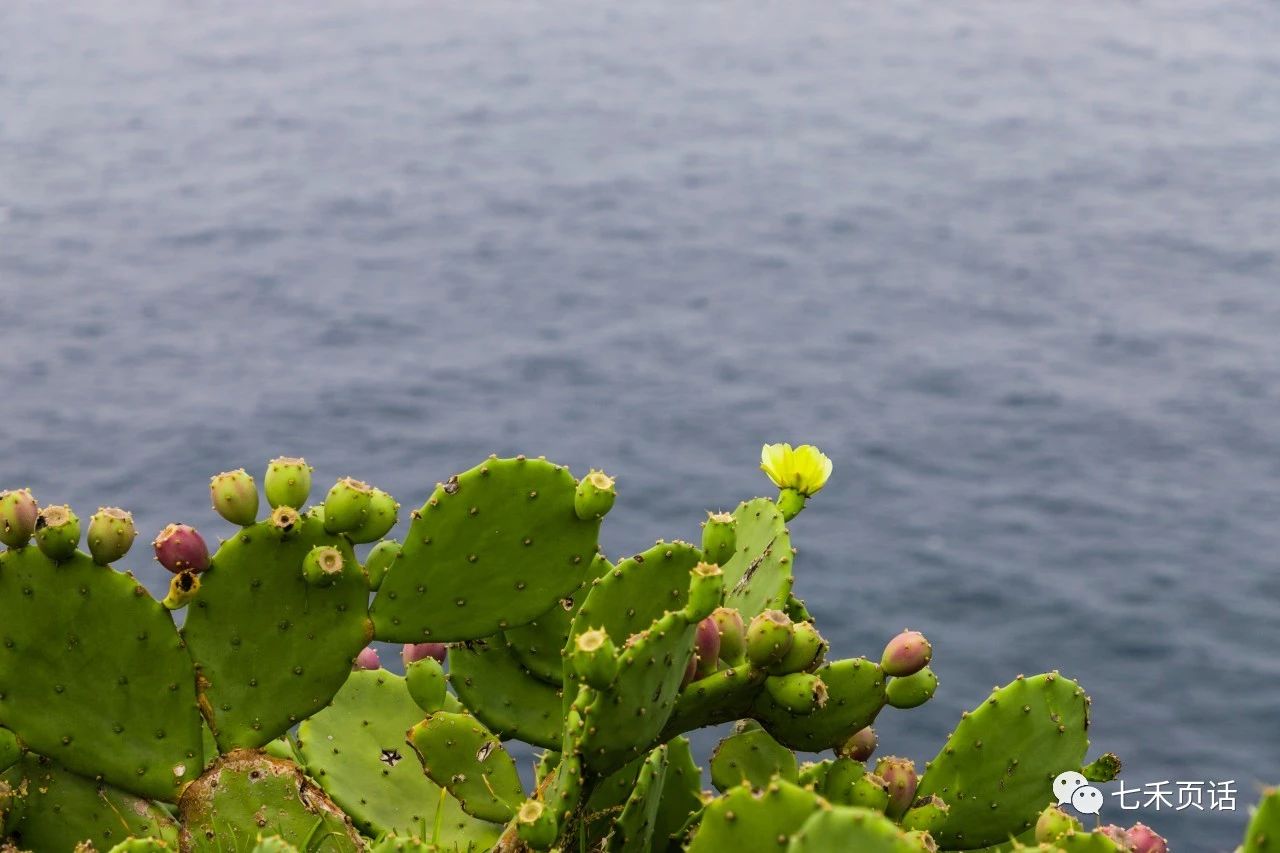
(719, 537)
(1117, 834)
(769, 638)
(595, 658)
(799, 692)
(913, 690)
(235, 497)
(111, 533)
(18, 514)
(420, 651)
(180, 548)
(906, 654)
(594, 495)
(1143, 839)
(706, 589)
(733, 634)
(284, 520)
(806, 652)
(1054, 822)
(367, 659)
(381, 516)
(380, 560)
(57, 532)
(322, 565)
(347, 505)
(426, 682)
(183, 588)
(900, 773)
(871, 792)
(287, 482)
(860, 746)
(706, 647)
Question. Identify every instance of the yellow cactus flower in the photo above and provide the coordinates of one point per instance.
(804, 468)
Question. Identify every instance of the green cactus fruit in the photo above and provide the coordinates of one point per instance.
(183, 589)
(1089, 842)
(272, 649)
(492, 549)
(920, 841)
(82, 637)
(633, 829)
(356, 750)
(380, 517)
(799, 692)
(224, 808)
(911, 691)
(379, 561)
(813, 774)
(143, 845)
(1263, 833)
(426, 681)
(1053, 822)
(111, 534)
(869, 791)
(743, 818)
(855, 695)
(836, 779)
(61, 810)
(1039, 721)
(18, 517)
(541, 644)
(1104, 768)
(705, 591)
(900, 773)
(235, 497)
(322, 565)
(536, 826)
(795, 608)
(461, 755)
(719, 537)
(273, 844)
(57, 532)
(758, 576)
(925, 814)
(769, 638)
(807, 651)
(860, 746)
(751, 756)
(347, 505)
(906, 654)
(595, 658)
(287, 482)
(733, 635)
(594, 496)
(504, 695)
(10, 749)
(680, 793)
(845, 828)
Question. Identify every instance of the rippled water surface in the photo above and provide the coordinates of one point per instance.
(1013, 265)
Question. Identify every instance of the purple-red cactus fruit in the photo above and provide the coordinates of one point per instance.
(706, 646)
(367, 659)
(413, 652)
(179, 548)
(1143, 839)
(906, 654)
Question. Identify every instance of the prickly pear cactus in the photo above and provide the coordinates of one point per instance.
(1263, 834)
(758, 576)
(855, 693)
(504, 695)
(270, 647)
(539, 645)
(492, 549)
(753, 757)
(94, 674)
(844, 828)
(460, 754)
(744, 818)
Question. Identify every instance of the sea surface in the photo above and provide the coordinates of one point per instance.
(1013, 265)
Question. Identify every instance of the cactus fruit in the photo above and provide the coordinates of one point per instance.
(733, 634)
(111, 534)
(860, 746)
(461, 755)
(496, 547)
(925, 814)
(1053, 822)
(807, 651)
(235, 497)
(595, 658)
(1143, 839)
(57, 532)
(1264, 825)
(183, 588)
(769, 638)
(719, 537)
(379, 561)
(913, 690)
(382, 514)
(367, 659)
(1104, 768)
(798, 693)
(753, 757)
(705, 591)
(418, 651)
(287, 482)
(347, 505)
(180, 548)
(706, 648)
(900, 773)
(18, 517)
(906, 654)
(594, 496)
(427, 684)
(322, 566)
(855, 695)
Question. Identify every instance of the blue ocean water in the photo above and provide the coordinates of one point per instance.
(1012, 265)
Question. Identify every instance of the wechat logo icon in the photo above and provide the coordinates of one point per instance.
(1071, 787)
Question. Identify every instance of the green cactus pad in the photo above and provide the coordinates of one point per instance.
(77, 636)
(504, 695)
(356, 750)
(492, 549)
(460, 754)
(744, 819)
(680, 792)
(758, 576)
(721, 697)
(855, 694)
(62, 809)
(10, 749)
(246, 793)
(844, 828)
(1263, 834)
(411, 844)
(751, 756)
(633, 829)
(1086, 842)
(996, 770)
(143, 845)
(272, 649)
(540, 644)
